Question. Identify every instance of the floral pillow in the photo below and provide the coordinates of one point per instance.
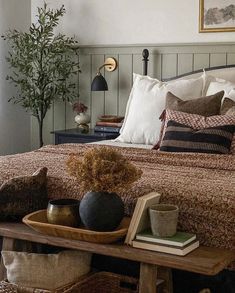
(196, 122)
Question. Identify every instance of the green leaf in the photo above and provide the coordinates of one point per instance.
(43, 64)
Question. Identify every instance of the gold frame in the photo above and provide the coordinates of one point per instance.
(210, 30)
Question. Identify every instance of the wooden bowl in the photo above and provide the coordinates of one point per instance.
(38, 222)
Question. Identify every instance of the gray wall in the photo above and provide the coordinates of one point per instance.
(98, 22)
(14, 122)
(165, 61)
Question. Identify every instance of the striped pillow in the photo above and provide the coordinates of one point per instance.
(196, 122)
(182, 138)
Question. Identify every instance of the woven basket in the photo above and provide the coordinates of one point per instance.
(6, 287)
(104, 282)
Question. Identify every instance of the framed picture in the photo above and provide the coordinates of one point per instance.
(217, 16)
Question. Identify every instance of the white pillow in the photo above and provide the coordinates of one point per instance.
(45, 271)
(146, 103)
(218, 85)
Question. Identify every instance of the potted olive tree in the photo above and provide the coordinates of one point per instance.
(42, 64)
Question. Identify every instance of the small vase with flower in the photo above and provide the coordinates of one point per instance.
(102, 173)
(82, 118)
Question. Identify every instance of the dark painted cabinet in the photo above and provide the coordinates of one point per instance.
(76, 136)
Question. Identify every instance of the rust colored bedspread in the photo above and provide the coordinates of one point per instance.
(202, 185)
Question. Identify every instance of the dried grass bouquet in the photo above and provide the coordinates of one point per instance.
(103, 170)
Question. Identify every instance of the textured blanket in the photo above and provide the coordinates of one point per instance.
(202, 185)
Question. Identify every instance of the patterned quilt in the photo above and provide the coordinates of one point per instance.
(202, 185)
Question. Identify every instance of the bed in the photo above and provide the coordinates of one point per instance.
(202, 185)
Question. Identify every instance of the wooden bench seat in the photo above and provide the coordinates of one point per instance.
(204, 260)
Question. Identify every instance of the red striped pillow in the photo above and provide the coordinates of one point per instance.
(196, 122)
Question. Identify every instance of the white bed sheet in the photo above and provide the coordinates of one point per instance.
(112, 142)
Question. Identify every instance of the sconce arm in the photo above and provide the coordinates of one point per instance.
(105, 64)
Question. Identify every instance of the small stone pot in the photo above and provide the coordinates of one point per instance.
(63, 212)
(101, 211)
(163, 219)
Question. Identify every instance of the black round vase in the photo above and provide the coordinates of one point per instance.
(101, 211)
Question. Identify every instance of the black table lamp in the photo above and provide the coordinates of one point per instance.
(99, 83)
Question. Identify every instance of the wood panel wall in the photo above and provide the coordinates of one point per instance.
(164, 62)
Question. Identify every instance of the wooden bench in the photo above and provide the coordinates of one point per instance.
(204, 260)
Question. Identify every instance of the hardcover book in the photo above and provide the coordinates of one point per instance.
(107, 129)
(111, 124)
(166, 248)
(180, 239)
(140, 219)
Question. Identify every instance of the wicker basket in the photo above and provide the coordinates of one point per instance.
(104, 282)
(6, 287)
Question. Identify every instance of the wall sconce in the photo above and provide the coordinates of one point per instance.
(99, 83)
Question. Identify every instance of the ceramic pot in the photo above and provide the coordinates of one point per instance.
(163, 219)
(63, 212)
(101, 211)
(82, 118)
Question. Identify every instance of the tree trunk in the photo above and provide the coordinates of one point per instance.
(40, 122)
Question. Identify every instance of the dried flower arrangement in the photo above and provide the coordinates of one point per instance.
(79, 107)
(103, 170)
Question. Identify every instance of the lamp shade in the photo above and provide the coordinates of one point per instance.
(99, 83)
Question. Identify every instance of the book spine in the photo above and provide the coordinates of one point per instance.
(107, 129)
(166, 249)
(158, 241)
(111, 124)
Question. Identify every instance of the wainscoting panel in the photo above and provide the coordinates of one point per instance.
(218, 59)
(165, 61)
(230, 58)
(185, 63)
(111, 96)
(125, 81)
(169, 65)
(201, 61)
(98, 98)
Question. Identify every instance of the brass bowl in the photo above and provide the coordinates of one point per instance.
(63, 212)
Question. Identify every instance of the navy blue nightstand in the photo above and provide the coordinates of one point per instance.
(76, 136)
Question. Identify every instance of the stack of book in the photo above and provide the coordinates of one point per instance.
(180, 244)
(139, 234)
(104, 126)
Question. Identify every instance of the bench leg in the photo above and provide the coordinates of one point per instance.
(166, 275)
(148, 278)
(7, 244)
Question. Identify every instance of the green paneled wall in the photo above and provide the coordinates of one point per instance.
(165, 61)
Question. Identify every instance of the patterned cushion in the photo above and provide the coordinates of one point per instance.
(182, 138)
(228, 107)
(20, 196)
(206, 106)
(196, 122)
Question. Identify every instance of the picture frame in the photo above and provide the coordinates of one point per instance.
(216, 16)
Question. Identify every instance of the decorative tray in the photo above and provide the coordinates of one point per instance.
(38, 222)
(111, 118)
